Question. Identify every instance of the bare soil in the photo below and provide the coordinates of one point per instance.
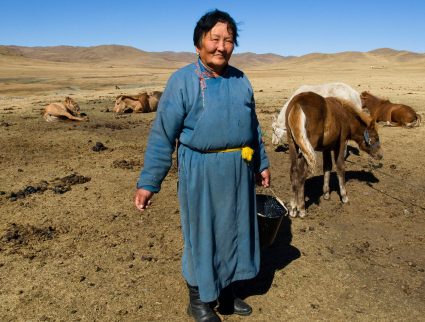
(74, 248)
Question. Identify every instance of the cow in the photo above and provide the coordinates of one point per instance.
(339, 90)
(392, 114)
(67, 110)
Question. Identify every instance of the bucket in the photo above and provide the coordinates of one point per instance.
(270, 212)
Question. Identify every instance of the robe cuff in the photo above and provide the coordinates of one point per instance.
(148, 187)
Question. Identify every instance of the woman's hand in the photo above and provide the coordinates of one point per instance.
(263, 178)
(142, 199)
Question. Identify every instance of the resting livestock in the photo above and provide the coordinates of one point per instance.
(68, 110)
(339, 90)
(141, 103)
(390, 113)
(154, 98)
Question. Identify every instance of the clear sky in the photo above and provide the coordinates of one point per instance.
(294, 27)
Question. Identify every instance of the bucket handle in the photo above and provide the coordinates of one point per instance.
(277, 198)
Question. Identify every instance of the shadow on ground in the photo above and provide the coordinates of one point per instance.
(314, 185)
(274, 258)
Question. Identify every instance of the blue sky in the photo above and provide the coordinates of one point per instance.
(276, 26)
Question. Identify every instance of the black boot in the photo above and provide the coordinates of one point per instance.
(200, 311)
(229, 303)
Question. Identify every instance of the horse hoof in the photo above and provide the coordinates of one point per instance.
(302, 214)
(326, 196)
(292, 213)
(345, 199)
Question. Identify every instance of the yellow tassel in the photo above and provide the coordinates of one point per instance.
(247, 153)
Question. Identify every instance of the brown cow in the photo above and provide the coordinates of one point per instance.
(390, 113)
(68, 110)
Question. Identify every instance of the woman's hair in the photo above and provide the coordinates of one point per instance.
(209, 20)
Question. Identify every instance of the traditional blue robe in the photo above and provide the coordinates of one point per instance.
(216, 189)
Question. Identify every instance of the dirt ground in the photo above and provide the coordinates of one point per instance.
(74, 248)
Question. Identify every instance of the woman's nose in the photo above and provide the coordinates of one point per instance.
(220, 45)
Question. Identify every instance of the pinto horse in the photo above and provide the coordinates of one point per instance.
(323, 124)
(390, 113)
(340, 90)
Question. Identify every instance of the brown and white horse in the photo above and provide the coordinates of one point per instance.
(339, 90)
(315, 123)
(390, 113)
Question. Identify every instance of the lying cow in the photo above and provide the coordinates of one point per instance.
(339, 90)
(390, 113)
(141, 103)
(68, 110)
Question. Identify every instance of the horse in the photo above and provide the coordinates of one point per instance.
(390, 113)
(141, 103)
(154, 98)
(340, 90)
(67, 110)
(135, 103)
(323, 124)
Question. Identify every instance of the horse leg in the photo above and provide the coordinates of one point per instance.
(388, 117)
(72, 117)
(47, 117)
(294, 178)
(340, 171)
(302, 175)
(327, 167)
(388, 124)
(51, 117)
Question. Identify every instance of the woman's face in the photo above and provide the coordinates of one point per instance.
(217, 47)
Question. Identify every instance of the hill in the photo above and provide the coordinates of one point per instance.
(126, 55)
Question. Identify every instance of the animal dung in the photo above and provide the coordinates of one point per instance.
(99, 146)
(58, 186)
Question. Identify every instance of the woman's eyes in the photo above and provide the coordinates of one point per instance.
(225, 40)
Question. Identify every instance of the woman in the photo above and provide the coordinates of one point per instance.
(208, 107)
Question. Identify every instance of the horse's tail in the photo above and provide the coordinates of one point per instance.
(297, 125)
(416, 122)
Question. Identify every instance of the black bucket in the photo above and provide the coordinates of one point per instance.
(270, 212)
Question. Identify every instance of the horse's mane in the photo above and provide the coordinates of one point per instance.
(376, 98)
(134, 97)
(362, 116)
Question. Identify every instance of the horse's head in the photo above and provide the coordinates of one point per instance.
(119, 104)
(364, 97)
(72, 105)
(371, 143)
(370, 102)
(277, 132)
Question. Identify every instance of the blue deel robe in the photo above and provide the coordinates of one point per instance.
(216, 190)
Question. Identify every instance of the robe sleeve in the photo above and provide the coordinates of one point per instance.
(163, 135)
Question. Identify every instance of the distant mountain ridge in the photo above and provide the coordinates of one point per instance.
(119, 54)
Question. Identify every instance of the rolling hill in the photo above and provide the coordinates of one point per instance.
(126, 55)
